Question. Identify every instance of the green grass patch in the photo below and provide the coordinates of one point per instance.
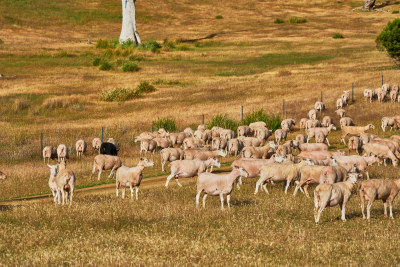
(166, 82)
(219, 17)
(105, 65)
(338, 36)
(279, 21)
(150, 45)
(222, 120)
(145, 87)
(297, 20)
(168, 124)
(130, 67)
(395, 12)
(117, 95)
(273, 121)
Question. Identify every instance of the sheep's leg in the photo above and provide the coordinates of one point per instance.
(258, 184)
(228, 199)
(384, 162)
(327, 141)
(117, 188)
(137, 192)
(369, 209)
(177, 181)
(93, 171)
(169, 179)
(130, 187)
(221, 197)
(264, 187)
(391, 209)
(343, 208)
(99, 175)
(71, 194)
(63, 196)
(319, 213)
(385, 209)
(198, 199)
(287, 186)
(111, 173)
(162, 165)
(58, 197)
(306, 191)
(123, 192)
(362, 207)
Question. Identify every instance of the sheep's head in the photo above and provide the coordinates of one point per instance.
(371, 126)
(146, 163)
(215, 163)
(3, 176)
(353, 177)
(53, 170)
(308, 162)
(243, 172)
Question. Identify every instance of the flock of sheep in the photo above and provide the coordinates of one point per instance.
(195, 152)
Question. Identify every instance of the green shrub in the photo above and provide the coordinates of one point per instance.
(102, 44)
(150, 45)
(96, 61)
(64, 54)
(182, 48)
(279, 21)
(389, 39)
(135, 58)
(1, 42)
(395, 12)
(167, 123)
(145, 87)
(104, 65)
(127, 44)
(297, 20)
(117, 94)
(223, 121)
(168, 44)
(166, 82)
(273, 121)
(338, 36)
(219, 17)
(130, 67)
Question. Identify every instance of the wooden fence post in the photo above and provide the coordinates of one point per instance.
(202, 121)
(152, 127)
(241, 113)
(41, 145)
(352, 92)
(283, 109)
(102, 134)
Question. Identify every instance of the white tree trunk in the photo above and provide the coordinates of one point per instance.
(129, 31)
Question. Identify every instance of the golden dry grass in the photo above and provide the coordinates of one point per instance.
(251, 61)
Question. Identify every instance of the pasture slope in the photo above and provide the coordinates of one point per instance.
(51, 86)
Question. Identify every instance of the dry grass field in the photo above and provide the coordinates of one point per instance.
(216, 65)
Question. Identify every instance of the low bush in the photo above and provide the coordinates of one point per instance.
(219, 17)
(166, 82)
(102, 44)
(168, 124)
(150, 45)
(389, 39)
(130, 67)
(223, 121)
(96, 61)
(117, 94)
(104, 65)
(338, 36)
(297, 20)
(395, 12)
(279, 21)
(144, 87)
(60, 101)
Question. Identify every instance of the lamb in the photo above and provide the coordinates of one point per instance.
(177, 138)
(312, 124)
(217, 184)
(170, 154)
(303, 122)
(106, 162)
(386, 190)
(96, 143)
(257, 152)
(339, 103)
(280, 134)
(341, 112)
(354, 131)
(189, 168)
(381, 151)
(301, 139)
(345, 97)
(319, 106)
(250, 141)
(328, 195)
(112, 141)
(288, 124)
(80, 148)
(346, 121)
(243, 130)
(203, 154)
(192, 142)
(108, 149)
(312, 114)
(62, 152)
(256, 125)
(369, 94)
(189, 131)
(235, 146)
(355, 143)
(62, 183)
(326, 121)
(263, 133)
(131, 177)
(48, 153)
(147, 145)
(278, 172)
(313, 147)
(388, 121)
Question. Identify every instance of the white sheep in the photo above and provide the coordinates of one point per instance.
(312, 114)
(80, 148)
(105, 162)
(339, 103)
(341, 112)
(96, 144)
(62, 152)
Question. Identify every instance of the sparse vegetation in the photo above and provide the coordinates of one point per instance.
(130, 67)
(297, 20)
(117, 94)
(60, 101)
(168, 124)
(20, 104)
(395, 12)
(338, 36)
(166, 82)
(145, 87)
(273, 121)
(102, 44)
(222, 120)
(104, 65)
(1, 41)
(96, 61)
(219, 17)
(150, 45)
(279, 21)
(389, 39)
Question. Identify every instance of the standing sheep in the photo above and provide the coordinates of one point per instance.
(312, 114)
(326, 121)
(346, 121)
(341, 112)
(339, 103)
(369, 94)
(62, 152)
(243, 130)
(105, 162)
(355, 143)
(303, 122)
(131, 177)
(80, 148)
(48, 153)
(319, 106)
(96, 144)
(280, 134)
(170, 154)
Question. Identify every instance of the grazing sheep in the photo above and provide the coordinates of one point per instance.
(48, 153)
(360, 162)
(189, 168)
(162, 142)
(312, 124)
(278, 172)
(192, 142)
(369, 94)
(386, 190)
(346, 121)
(319, 106)
(280, 134)
(355, 143)
(285, 149)
(220, 143)
(381, 151)
(301, 139)
(393, 95)
(388, 121)
(339, 103)
(335, 174)
(367, 137)
(227, 134)
(326, 121)
(393, 145)
(381, 94)
(189, 132)
(341, 112)
(345, 97)
(62, 152)
(108, 149)
(309, 174)
(320, 138)
(131, 177)
(80, 148)
(96, 143)
(203, 154)
(177, 138)
(258, 152)
(235, 146)
(250, 141)
(252, 166)
(329, 195)
(263, 133)
(106, 162)
(303, 122)
(147, 145)
(112, 141)
(312, 114)
(218, 185)
(324, 130)
(313, 147)
(202, 135)
(288, 124)
(243, 130)
(318, 154)
(354, 131)
(163, 133)
(170, 154)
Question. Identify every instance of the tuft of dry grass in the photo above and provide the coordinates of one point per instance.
(20, 104)
(61, 101)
